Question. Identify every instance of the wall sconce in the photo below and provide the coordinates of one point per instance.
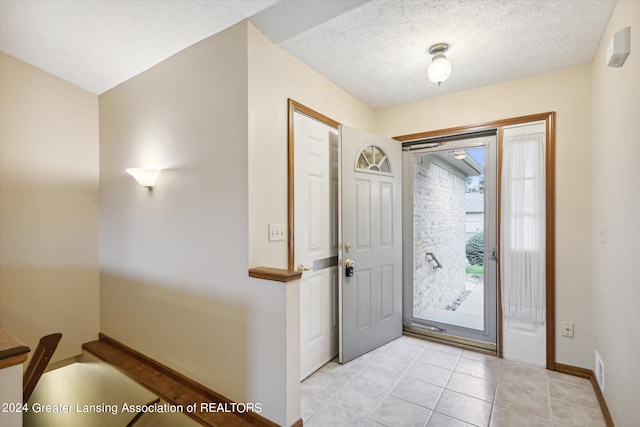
(146, 177)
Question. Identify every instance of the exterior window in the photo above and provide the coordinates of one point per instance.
(522, 267)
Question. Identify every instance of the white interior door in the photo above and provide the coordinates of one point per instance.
(316, 237)
(371, 238)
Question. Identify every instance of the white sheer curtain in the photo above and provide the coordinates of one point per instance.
(522, 232)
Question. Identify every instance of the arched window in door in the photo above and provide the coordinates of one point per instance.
(373, 159)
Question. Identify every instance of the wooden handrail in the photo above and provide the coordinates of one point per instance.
(38, 363)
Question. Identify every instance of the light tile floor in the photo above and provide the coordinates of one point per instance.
(412, 382)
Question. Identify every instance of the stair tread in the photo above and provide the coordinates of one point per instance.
(163, 385)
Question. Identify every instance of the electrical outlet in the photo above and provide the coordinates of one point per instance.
(277, 232)
(567, 329)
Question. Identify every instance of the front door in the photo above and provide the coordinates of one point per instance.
(452, 261)
(371, 242)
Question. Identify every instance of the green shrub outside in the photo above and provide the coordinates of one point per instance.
(475, 249)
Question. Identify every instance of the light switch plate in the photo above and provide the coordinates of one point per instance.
(277, 232)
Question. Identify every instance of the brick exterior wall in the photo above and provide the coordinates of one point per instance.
(439, 227)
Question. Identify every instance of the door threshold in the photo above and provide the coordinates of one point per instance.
(419, 332)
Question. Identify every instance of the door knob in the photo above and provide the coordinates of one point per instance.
(347, 245)
(302, 268)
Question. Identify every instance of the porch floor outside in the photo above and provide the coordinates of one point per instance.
(469, 314)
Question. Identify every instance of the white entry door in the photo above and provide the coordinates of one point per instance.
(316, 240)
(371, 242)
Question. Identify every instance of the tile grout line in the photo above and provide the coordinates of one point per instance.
(424, 348)
(572, 403)
(325, 402)
(388, 393)
(549, 401)
(445, 386)
(495, 393)
(453, 371)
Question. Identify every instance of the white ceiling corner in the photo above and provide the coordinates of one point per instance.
(377, 50)
(99, 44)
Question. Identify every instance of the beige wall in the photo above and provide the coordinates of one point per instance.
(616, 203)
(568, 92)
(11, 392)
(174, 261)
(48, 208)
(174, 282)
(273, 77)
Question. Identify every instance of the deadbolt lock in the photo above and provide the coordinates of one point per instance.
(348, 267)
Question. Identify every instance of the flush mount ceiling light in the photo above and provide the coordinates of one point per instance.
(459, 154)
(440, 68)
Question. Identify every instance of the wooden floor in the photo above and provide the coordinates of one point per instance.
(170, 385)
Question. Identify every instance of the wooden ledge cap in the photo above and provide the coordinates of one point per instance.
(12, 350)
(275, 274)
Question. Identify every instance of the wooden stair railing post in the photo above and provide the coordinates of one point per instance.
(38, 363)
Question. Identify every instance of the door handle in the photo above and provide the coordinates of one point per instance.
(494, 255)
(301, 268)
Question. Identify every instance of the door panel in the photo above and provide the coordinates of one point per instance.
(386, 215)
(315, 305)
(315, 215)
(363, 213)
(363, 290)
(386, 291)
(370, 300)
(316, 185)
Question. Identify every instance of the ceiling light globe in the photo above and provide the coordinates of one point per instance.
(459, 154)
(440, 69)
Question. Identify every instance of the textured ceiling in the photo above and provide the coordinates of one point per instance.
(377, 50)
